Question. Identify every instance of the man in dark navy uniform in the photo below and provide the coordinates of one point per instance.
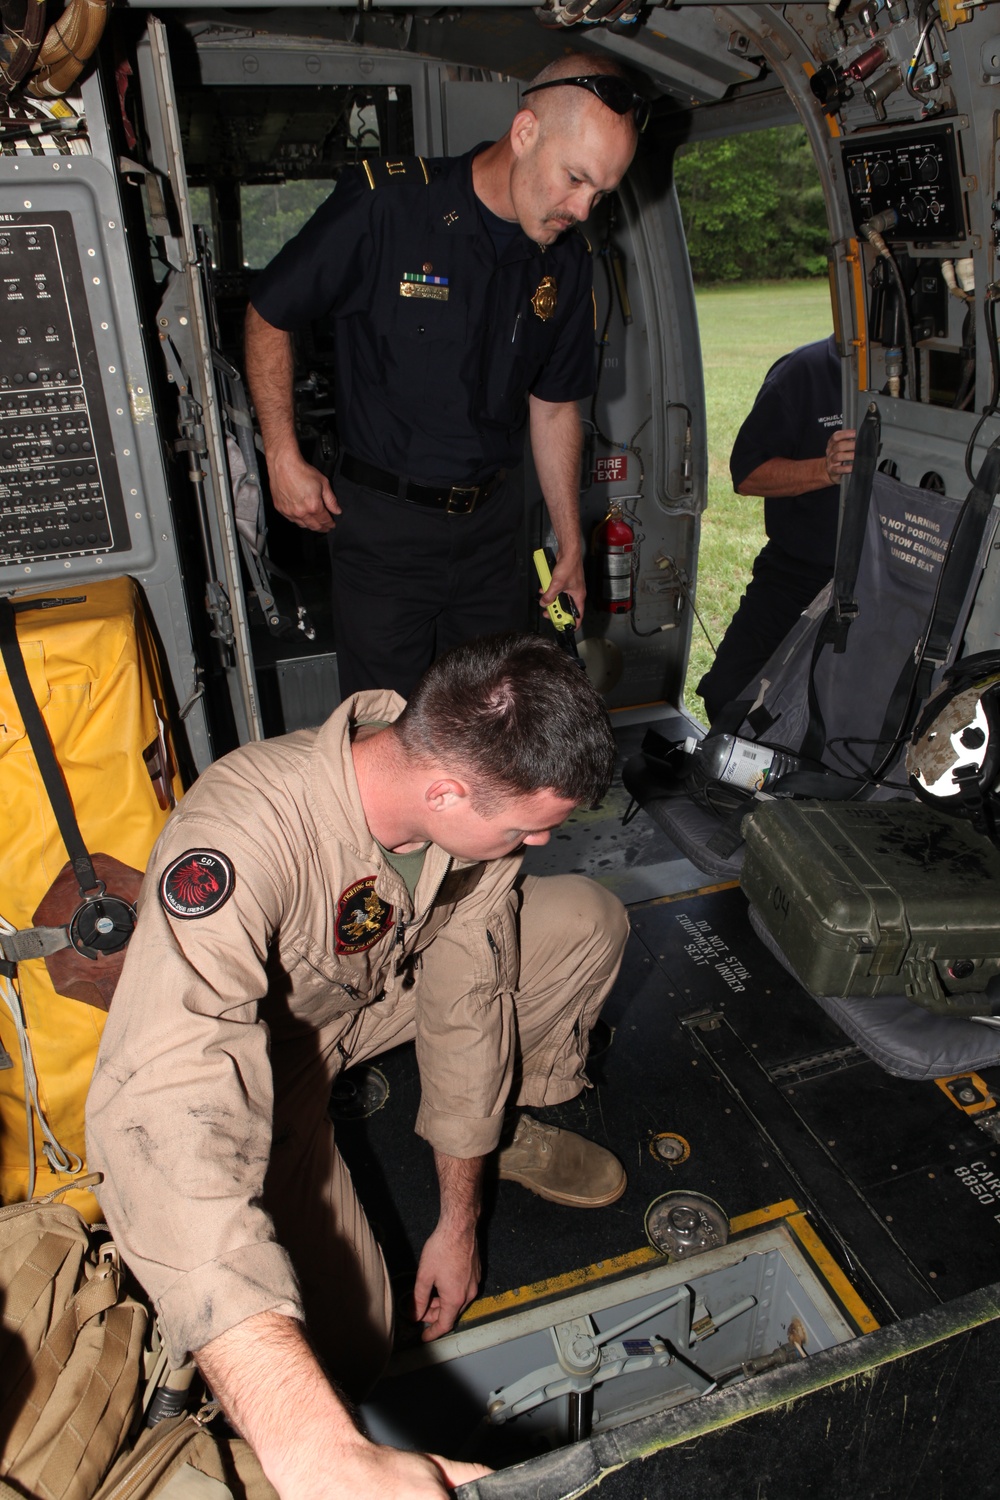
(461, 307)
(792, 450)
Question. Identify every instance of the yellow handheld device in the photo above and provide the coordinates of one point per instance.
(560, 611)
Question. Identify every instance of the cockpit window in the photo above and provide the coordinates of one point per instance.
(272, 212)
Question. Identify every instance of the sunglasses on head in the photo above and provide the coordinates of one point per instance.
(615, 92)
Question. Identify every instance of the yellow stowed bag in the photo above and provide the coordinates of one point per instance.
(93, 673)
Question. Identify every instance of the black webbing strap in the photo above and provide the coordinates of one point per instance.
(974, 801)
(729, 836)
(814, 740)
(827, 786)
(731, 716)
(956, 574)
(38, 736)
(915, 678)
(851, 527)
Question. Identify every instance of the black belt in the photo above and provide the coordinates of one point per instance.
(454, 500)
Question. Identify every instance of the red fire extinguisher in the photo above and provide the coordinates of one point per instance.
(614, 543)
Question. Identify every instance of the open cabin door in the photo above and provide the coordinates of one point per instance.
(184, 325)
(645, 442)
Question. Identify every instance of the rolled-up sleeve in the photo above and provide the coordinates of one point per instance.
(179, 1112)
(465, 1024)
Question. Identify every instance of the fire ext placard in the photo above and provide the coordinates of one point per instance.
(611, 470)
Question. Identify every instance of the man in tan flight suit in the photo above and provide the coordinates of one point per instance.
(315, 900)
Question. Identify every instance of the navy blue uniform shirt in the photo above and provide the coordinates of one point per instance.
(432, 383)
(797, 409)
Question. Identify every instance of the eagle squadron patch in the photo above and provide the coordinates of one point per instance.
(362, 917)
(196, 884)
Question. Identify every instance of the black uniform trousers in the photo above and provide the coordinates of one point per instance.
(782, 586)
(410, 582)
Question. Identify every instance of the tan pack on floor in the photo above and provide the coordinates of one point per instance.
(70, 1352)
(181, 1460)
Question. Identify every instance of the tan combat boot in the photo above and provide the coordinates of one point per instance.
(561, 1166)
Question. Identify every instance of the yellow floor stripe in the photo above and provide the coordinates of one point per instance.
(635, 1260)
(831, 1272)
(554, 1286)
(986, 1102)
(702, 890)
(569, 1281)
(763, 1216)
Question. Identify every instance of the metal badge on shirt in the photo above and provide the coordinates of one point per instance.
(362, 917)
(421, 284)
(544, 300)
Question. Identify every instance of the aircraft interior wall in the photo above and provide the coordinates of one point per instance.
(131, 229)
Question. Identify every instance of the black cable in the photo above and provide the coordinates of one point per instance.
(602, 342)
(988, 411)
(639, 539)
(858, 769)
(912, 365)
(967, 382)
(683, 586)
(873, 231)
(656, 630)
(685, 452)
(925, 23)
(13, 129)
(920, 47)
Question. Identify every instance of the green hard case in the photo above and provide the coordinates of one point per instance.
(878, 898)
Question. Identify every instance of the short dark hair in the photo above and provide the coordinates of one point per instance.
(516, 713)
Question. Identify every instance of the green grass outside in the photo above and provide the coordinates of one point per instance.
(744, 329)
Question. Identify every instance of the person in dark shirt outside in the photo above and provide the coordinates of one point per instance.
(793, 450)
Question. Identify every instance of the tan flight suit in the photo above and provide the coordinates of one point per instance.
(207, 1113)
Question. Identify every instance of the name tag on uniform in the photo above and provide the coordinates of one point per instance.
(416, 284)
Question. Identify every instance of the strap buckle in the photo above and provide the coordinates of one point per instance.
(462, 499)
(32, 942)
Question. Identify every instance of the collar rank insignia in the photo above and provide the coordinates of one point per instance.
(451, 217)
(362, 917)
(196, 884)
(544, 300)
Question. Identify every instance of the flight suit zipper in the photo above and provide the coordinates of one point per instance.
(496, 954)
(399, 942)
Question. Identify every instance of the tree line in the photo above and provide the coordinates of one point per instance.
(753, 207)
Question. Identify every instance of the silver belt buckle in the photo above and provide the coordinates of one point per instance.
(462, 499)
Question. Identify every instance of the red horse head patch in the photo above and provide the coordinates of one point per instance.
(196, 884)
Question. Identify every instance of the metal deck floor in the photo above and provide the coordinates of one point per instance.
(639, 862)
(713, 1040)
